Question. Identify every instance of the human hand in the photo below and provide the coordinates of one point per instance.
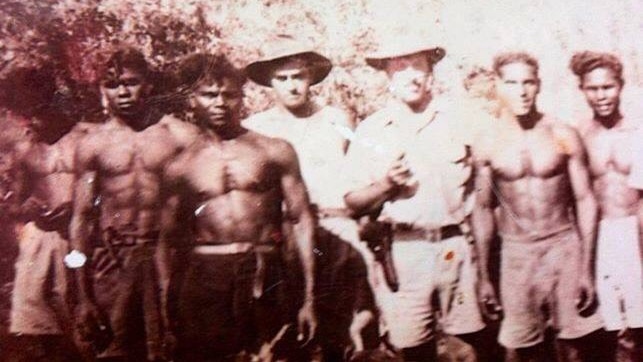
(489, 304)
(360, 320)
(306, 323)
(399, 173)
(34, 207)
(586, 301)
(400, 178)
(169, 346)
(92, 327)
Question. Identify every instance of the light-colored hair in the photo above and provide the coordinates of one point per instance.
(503, 59)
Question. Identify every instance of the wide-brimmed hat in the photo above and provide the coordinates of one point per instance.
(281, 48)
(402, 45)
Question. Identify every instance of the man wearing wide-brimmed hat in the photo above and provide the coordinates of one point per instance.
(410, 171)
(319, 135)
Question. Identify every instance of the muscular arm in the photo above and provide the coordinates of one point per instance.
(296, 198)
(82, 212)
(170, 233)
(482, 218)
(31, 163)
(586, 207)
(164, 255)
(371, 197)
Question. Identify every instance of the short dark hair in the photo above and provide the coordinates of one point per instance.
(125, 58)
(503, 59)
(199, 68)
(586, 61)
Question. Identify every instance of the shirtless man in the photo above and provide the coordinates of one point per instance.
(230, 299)
(119, 167)
(611, 140)
(40, 311)
(319, 134)
(534, 169)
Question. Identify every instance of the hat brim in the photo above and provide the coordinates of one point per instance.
(378, 61)
(261, 72)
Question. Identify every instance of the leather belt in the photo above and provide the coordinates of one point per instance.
(406, 232)
(115, 238)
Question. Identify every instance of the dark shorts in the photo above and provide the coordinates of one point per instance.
(126, 290)
(341, 289)
(40, 348)
(218, 316)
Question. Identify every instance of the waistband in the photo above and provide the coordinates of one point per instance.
(115, 238)
(537, 237)
(260, 251)
(622, 219)
(407, 232)
(233, 248)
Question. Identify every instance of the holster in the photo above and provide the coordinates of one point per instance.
(379, 238)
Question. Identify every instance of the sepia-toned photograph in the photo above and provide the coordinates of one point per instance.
(327, 181)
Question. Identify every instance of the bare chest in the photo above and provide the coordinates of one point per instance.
(536, 153)
(218, 170)
(610, 151)
(127, 152)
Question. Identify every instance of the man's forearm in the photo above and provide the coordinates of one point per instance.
(587, 219)
(78, 240)
(163, 268)
(483, 231)
(370, 198)
(304, 234)
(163, 255)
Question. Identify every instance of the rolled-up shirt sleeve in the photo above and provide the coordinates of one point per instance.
(363, 162)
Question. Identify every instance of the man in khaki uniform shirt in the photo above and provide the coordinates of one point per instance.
(409, 160)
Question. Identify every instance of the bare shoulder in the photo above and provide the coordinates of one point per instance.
(586, 128)
(277, 149)
(266, 143)
(22, 148)
(182, 131)
(567, 138)
(92, 137)
(175, 169)
(83, 128)
(76, 134)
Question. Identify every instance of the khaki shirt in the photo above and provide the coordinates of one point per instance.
(319, 141)
(436, 145)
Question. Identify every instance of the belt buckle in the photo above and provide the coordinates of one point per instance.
(124, 240)
(403, 227)
(433, 235)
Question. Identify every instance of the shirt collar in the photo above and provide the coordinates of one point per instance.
(399, 111)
